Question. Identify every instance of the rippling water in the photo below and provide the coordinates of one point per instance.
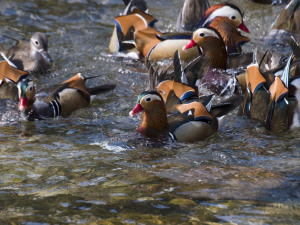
(92, 168)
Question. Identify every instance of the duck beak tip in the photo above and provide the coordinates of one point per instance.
(189, 45)
(138, 108)
(22, 104)
(243, 27)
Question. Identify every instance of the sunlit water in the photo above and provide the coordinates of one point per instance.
(93, 168)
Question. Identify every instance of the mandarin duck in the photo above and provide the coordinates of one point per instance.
(226, 18)
(152, 47)
(257, 96)
(125, 26)
(279, 112)
(62, 100)
(9, 78)
(191, 13)
(30, 56)
(189, 122)
(175, 108)
(210, 43)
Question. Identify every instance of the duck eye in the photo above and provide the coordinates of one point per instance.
(30, 89)
(36, 42)
(148, 99)
(233, 17)
(201, 34)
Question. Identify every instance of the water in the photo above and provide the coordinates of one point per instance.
(92, 168)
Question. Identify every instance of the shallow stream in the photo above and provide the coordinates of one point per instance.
(93, 168)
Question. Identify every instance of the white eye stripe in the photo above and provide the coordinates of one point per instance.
(206, 33)
(150, 97)
(225, 11)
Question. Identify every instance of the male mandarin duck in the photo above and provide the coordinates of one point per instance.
(257, 96)
(30, 56)
(125, 26)
(175, 108)
(273, 2)
(279, 113)
(190, 121)
(152, 47)
(9, 78)
(191, 13)
(286, 24)
(210, 43)
(62, 100)
(226, 18)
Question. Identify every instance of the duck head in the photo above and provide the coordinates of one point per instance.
(26, 91)
(39, 46)
(211, 44)
(232, 38)
(231, 11)
(154, 119)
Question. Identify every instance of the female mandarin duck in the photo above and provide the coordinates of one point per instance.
(10, 76)
(30, 56)
(62, 100)
(190, 121)
(286, 24)
(125, 26)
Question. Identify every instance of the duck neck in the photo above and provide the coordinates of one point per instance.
(154, 121)
(216, 51)
(231, 36)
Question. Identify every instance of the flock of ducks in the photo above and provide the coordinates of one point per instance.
(179, 98)
(27, 58)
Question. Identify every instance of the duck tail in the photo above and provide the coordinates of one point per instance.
(101, 89)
